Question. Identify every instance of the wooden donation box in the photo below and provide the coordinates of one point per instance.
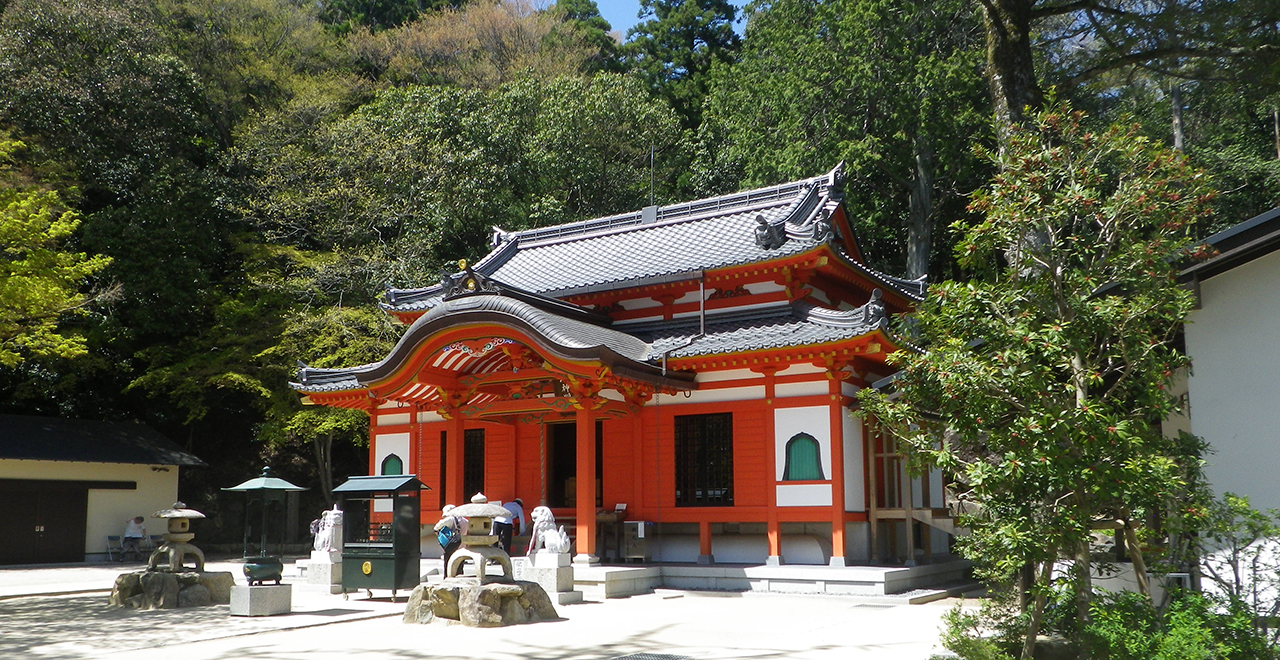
(381, 545)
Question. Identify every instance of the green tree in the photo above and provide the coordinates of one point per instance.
(676, 47)
(482, 45)
(1043, 380)
(584, 16)
(41, 280)
(420, 175)
(885, 87)
(1089, 40)
(345, 16)
(248, 55)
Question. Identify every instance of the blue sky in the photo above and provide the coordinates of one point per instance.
(621, 14)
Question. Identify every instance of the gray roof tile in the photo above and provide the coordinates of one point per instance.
(628, 249)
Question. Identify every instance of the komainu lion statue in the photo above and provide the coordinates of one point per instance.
(545, 534)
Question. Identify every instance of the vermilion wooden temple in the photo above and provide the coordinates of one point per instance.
(696, 362)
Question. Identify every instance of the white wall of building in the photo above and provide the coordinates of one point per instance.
(108, 509)
(1234, 388)
(385, 444)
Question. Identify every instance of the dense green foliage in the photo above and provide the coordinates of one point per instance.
(40, 279)
(879, 85)
(675, 49)
(244, 176)
(1045, 380)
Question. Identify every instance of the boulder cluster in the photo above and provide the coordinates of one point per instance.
(480, 605)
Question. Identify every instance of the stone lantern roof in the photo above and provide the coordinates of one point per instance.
(179, 510)
(479, 508)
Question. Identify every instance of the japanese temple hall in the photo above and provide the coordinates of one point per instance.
(697, 363)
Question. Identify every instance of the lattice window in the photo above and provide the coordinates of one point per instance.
(472, 463)
(804, 459)
(704, 460)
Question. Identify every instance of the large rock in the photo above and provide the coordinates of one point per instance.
(155, 590)
(196, 595)
(219, 584)
(483, 606)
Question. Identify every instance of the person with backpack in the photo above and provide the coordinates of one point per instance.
(449, 533)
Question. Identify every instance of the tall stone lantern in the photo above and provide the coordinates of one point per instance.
(479, 545)
(177, 542)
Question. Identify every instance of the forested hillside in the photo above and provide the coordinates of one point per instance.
(201, 193)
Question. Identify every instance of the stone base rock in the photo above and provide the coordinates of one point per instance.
(480, 605)
(261, 600)
(159, 590)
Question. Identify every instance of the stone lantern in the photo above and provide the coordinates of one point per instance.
(479, 545)
(177, 542)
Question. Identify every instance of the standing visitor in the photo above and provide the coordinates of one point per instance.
(451, 539)
(502, 525)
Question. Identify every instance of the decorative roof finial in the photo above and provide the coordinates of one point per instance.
(822, 227)
(769, 236)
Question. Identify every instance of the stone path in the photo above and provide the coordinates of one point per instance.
(663, 626)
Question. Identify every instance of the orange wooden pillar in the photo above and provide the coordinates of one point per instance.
(585, 507)
(837, 469)
(771, 480)
(704, 543)
(454, 447)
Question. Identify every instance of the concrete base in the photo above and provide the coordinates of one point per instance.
(773, 560)
(545, 559)
(554, 573)
(261, 600)
(600, 582)
(324, 571)
(566, 597)
(552, 580)
(837, 562)
(586, 560)
(706, 559)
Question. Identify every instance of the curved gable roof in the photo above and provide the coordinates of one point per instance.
(569, 338)
(662, 243)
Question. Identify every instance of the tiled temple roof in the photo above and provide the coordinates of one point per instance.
(637, 344)
(797, 324)
(664, 243)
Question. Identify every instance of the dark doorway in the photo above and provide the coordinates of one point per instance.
(44, 525)
(562, 464)
(472, 463)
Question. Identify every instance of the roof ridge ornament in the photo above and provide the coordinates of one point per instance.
(873, 311)
(467, 282)
(836, 182)
(500, 236)
(822, 231)
(769, 236)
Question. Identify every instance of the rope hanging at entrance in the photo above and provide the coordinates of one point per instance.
(542, 458)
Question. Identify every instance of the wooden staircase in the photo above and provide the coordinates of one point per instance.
(940, 519)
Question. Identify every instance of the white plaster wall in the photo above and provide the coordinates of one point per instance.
(398, 418)
(751, 393)
(763, 287)
(108, 509)
(639, 303)
(1234, 388)
(804, 494)
(801, 368)
(727, 374)
(814, 420)
(854, 495)
(383, 446)
(807, 388)
(937, 498)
